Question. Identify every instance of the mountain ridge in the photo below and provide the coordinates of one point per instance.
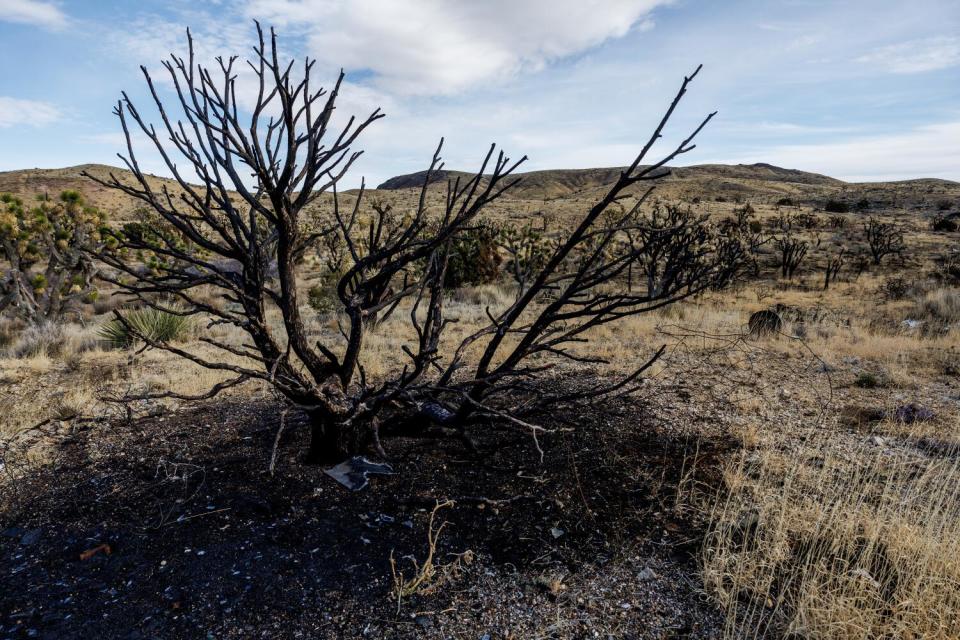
(742, 182)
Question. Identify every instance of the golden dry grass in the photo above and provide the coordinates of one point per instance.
(823, 541)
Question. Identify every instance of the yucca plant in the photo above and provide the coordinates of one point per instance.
(156, 325)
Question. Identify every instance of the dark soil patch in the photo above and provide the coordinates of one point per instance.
(204, 542)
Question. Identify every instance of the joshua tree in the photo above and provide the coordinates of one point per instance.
(792, 252)
(750, 231)
(833, 267)
(527, 251)
(47, 253)
(667, 243)
(884, 238)
(242, 234)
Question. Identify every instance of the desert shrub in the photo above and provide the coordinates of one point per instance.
(153, 324)
(10, 328)
(944, 205)
(943, 223)
(806, 220)
(474, 257)
(867, 380)
(896, 288)
(322, 297)
(785, 202)
(55, 340)
(35, 340)
(838, 222)
(836, 206)
(863, 204)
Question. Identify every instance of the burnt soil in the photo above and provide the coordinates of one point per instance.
(205, 543)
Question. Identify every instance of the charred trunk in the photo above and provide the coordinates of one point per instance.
(331, 440)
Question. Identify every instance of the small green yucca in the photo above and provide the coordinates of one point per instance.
(154, 324)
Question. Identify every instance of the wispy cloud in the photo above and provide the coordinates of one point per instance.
(17, 112)
(35, 12)
(916, 56)
(430, 47)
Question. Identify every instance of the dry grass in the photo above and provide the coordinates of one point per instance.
(821, 541)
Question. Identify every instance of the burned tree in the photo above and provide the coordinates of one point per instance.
(834, 265)
(750, 231)
(669, 244)
(246, 238)
(792, 250)
(883, 238)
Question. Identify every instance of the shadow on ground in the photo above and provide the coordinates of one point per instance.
(204, 542)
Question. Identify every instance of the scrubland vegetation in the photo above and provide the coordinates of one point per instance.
(653, 460)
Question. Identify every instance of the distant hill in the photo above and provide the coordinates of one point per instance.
(759, 182)
(29, 183)
(556, 183)
(755, 182)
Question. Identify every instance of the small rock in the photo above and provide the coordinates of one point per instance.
(647, 574)
(864, 575)
(877, 440)
(424, 622)
(765, 322)
(556, 532)
(910, 413)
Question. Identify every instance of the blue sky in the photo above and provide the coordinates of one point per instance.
(861, 90)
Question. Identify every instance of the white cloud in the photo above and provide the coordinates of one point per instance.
(916, 56)
(430, 47)
(925, 152)
(15, 112)
(44, 14)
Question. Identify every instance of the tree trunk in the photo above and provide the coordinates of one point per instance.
(332, 441)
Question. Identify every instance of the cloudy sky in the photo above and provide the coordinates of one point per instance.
(859, 89)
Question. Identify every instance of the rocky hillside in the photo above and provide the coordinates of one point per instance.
(29, 183)
(762, 183)
(561, 183)
(756, 182)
